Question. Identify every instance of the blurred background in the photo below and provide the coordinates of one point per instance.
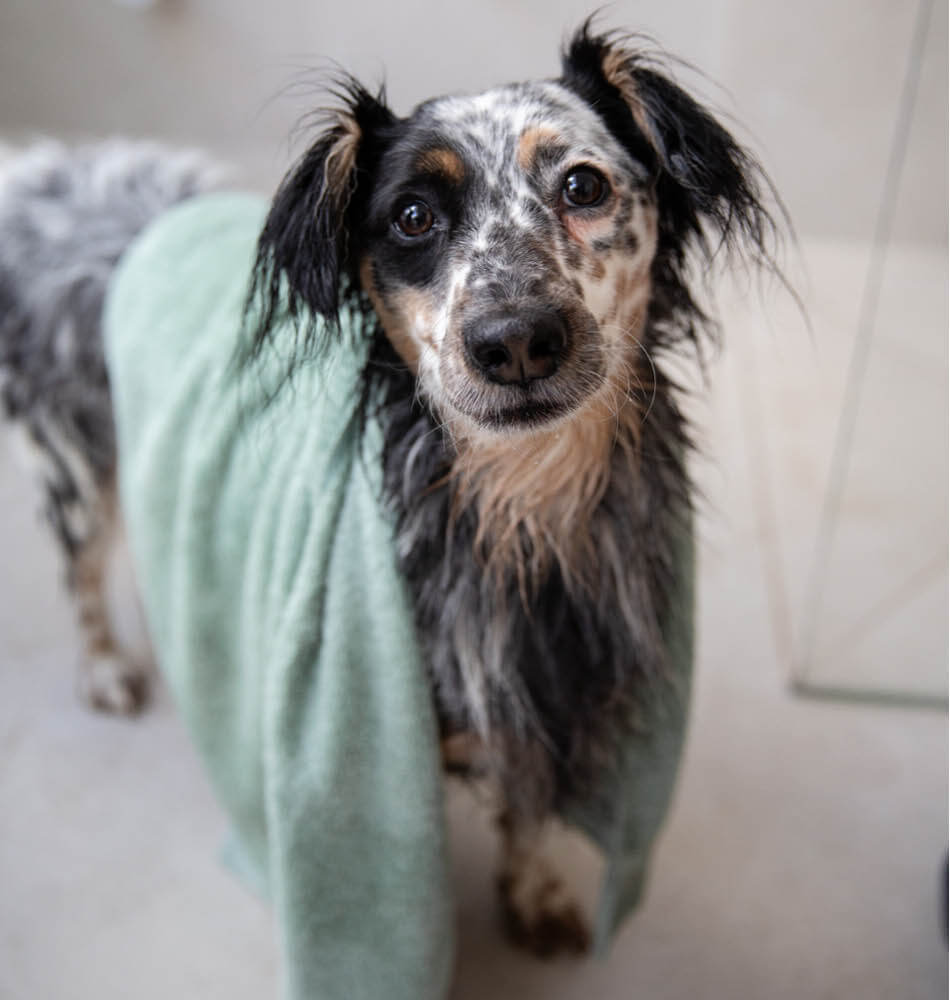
(804, 855)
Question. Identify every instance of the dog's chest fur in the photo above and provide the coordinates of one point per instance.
(529, 254)
(548, 671)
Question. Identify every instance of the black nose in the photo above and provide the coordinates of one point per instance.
(516, 347)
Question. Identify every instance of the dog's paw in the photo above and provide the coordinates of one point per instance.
(111, 683)
(541, 916)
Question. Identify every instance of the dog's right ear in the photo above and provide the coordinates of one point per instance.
(307, 249)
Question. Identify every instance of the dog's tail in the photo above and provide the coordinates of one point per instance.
(66, 217)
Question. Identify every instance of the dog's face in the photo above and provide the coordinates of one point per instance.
(525, 250)
(507, 246)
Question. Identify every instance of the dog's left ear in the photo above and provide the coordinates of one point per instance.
(703, 177)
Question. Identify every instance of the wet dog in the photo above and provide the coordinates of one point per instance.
(521, 262)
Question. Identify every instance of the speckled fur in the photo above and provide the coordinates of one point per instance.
(66, 217)
(536, 519)
(536, 522)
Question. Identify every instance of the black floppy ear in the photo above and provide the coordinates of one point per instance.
(703, 177)
(307, 250)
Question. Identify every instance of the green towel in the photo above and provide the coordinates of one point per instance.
(268, 574)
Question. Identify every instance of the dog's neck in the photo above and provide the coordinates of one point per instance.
(548, 624)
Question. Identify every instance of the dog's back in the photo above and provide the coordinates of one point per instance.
(66, 217)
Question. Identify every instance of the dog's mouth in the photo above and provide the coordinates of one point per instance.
(526, 407)
(526, 415)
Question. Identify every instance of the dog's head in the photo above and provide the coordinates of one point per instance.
(524, 249)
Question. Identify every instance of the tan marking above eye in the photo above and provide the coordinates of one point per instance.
(445, 162)
(531, 139)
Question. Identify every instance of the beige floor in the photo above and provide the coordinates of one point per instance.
(803, 854)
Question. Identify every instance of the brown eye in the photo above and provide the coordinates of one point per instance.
(415, 219)
(584, 187)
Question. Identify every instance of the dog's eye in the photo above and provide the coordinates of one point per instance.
(584, 187)
(414, 219)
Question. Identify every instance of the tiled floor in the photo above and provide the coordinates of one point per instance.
(803, 854)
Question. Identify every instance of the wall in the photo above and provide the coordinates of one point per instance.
(816, 87)
(814, 83)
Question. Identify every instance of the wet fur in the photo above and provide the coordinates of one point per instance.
(535, 524)
(540, 557)
(66, 217)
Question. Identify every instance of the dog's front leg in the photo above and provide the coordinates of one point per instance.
(540, 913)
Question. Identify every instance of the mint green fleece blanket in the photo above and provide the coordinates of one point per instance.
(266, 564)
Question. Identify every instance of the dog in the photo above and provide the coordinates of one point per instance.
(524, 261)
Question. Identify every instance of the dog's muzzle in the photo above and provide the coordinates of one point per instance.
(516, 346)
